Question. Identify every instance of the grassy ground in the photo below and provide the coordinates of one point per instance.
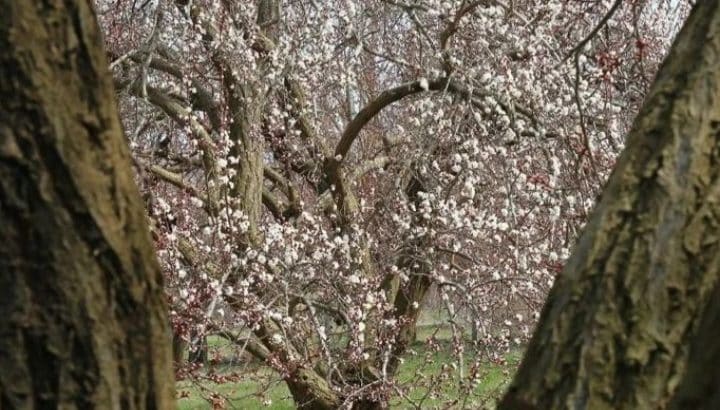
(241, 395)
(259, 388)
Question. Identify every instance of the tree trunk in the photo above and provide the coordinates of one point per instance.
(617, 327)
(82, 311)
(311, 392)
(179, 349)
(199, 351)
(699, 387)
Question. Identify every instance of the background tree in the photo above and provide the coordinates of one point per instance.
(324, 176)
(83, 321)
(623, 326)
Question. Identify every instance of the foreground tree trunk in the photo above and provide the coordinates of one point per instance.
(617, 329)
(82, 311)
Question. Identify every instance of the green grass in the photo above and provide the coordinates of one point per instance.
(450, 390)
(259, 385)
(241, 395)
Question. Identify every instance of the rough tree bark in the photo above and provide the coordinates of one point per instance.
(82, 311)
(617, 329)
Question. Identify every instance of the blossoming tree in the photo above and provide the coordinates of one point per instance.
(319, 175)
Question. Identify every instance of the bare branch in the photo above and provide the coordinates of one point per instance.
(171, 177)
(452, 28)
(250, 344)
(594, 31)
(396, 94)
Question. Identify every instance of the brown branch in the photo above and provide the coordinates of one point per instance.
(201, 99)
(307, 130)
(335, 313)
(256, 349)
(452, 28)
(172, 178)
(281, 210)
(278, 208)
(579, 46)
(385, 98)
(367, 166)
(181, 114)
(395, 94)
